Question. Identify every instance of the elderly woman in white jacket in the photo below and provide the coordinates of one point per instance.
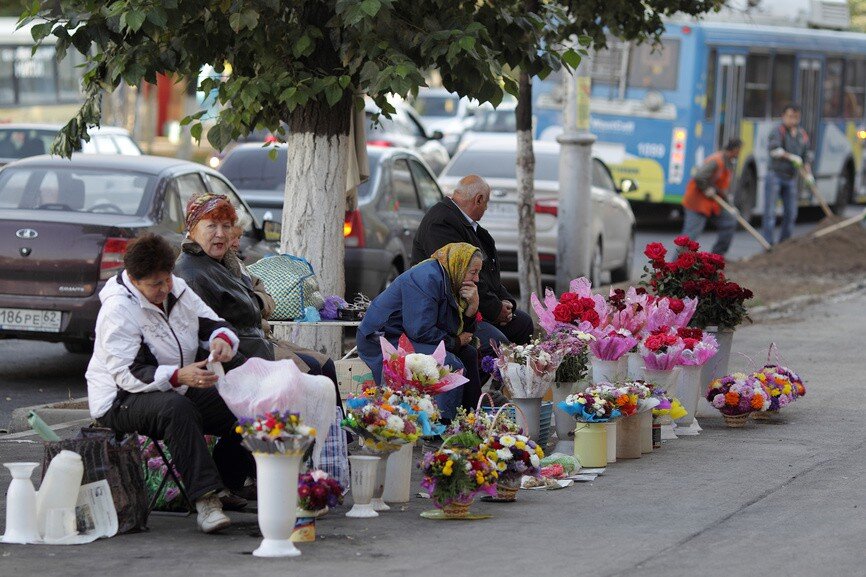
(144, 376)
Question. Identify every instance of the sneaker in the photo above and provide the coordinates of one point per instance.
(231, 501)
(210, 514)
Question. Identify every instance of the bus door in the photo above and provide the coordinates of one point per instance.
(809, 90)
(729, 95)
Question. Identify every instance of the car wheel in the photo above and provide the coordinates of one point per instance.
(393, 273)
(595, 266)
(623, 273)
(79, 347)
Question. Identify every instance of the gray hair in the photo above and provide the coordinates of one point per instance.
(469, 187)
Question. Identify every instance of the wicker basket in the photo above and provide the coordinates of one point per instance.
(765, 415)
(507, 492)
(736, 421)
(456, 510)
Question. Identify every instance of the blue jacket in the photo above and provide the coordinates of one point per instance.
(418, 303)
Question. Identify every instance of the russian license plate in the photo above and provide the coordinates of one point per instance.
(30, 320)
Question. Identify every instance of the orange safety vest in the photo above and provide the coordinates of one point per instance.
(696, 200)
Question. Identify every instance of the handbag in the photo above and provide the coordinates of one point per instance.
(290, 280)
(118, 462)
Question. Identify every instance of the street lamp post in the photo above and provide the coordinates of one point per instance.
(574, 241)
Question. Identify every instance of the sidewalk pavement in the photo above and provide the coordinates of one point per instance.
(771, 499)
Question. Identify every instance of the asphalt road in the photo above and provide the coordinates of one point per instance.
(33, 372)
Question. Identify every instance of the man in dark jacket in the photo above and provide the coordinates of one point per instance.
(456, 219)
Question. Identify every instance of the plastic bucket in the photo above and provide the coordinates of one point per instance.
(646, 432)
(628, 438)
(611, 441)
(590, 444)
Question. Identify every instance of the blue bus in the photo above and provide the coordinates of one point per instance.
(667, 109)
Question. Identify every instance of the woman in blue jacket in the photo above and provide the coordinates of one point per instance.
(434, 301)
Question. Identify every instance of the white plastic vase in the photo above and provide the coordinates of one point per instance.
(381, 472)
(715, 368)
(689, 391)
(529, 416)
(398, 476)
(277, 502)
(608, 371)
(21, 505)
(60, 486)
(363, 484)
(635, 366)
(611, 441)
(563, 422)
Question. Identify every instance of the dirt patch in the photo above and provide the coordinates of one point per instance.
(804, 265)
(80, 404)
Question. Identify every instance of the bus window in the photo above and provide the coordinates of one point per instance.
(833, 87)
(607, 66)
(69, 77)
(711, 85)
(855, 84)
(757, 86)
(35, 74)
(654, 67)
(7, 88)
(783, 83)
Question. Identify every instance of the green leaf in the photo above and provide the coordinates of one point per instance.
(403, 70)
(250, 18)
(236, 24)
(195, 131)
(371, 7)
(333, 94)
(467, 43)
(133, 19)
(301, 45)
(571, 58)
(158, 17)
(40, 31)
(345, 81)
(272, 154)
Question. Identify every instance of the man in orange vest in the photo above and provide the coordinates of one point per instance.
(712, 179)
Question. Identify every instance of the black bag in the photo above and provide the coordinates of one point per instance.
(119, 462)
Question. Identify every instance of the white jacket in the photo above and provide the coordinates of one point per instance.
(138, 347)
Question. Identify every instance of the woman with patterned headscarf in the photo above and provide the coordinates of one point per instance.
(434, 301)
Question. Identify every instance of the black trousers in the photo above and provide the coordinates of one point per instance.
(182, 421)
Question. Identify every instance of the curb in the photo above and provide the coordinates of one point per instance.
(49, 414)
(802, 300)
(23, 436)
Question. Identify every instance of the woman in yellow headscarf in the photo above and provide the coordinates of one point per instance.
(434, 301)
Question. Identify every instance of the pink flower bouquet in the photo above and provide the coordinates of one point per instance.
(403, 368)
(611, 344)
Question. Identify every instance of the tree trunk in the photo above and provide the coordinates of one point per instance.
(528, 267)
(315, 203)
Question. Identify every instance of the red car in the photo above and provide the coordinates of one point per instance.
(64, 226)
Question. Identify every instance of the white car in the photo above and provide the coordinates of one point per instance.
(21, 140)
(446, 112)
(405, 129)
(613, 222)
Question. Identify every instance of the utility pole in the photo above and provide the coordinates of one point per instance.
(575, 244)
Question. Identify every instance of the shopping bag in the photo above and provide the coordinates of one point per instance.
(290, 280)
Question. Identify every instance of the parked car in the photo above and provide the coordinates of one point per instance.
(25, 140)
(65, 225)
(378, 234)
(405, 129)
(613, 222)
(447, 112)
(491, 123)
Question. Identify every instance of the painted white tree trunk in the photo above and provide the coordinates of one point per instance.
(313, 213)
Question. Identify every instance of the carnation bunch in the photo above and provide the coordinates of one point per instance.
(778, 385)
(481, 423)
(317, 490)
(697, 275)
(423, 406)
(738, 394)
(276, 432)
(572, 346)
(513, 456)
(527, 370)
(380, 425)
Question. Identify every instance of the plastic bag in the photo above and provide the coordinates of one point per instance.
(118, 462)
(259, 386)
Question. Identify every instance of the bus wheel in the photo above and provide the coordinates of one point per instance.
(747, 193)
(844, 190)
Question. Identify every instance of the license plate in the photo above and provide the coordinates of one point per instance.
(501, 210)
(30, 320)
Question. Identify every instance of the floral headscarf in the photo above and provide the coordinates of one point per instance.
(200, 205)
(455, 258)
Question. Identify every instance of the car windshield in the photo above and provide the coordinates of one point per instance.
(501, 164)
(496, 121)
(429, 105)
(251, 168)
(75, 190)
(24, 142)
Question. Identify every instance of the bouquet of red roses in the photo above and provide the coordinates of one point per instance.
(694, 274)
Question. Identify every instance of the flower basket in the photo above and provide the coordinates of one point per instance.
(456, 510)
(736, 421)
(506, 489)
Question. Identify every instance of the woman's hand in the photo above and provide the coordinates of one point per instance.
(464, 338)
(196, 376)
(220, 351)
(470, 292)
